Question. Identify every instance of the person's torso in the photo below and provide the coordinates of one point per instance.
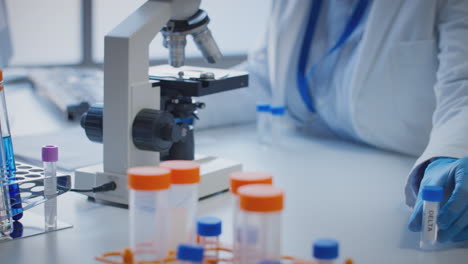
(378, 87)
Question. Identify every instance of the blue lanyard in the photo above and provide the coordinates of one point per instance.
(302, 77)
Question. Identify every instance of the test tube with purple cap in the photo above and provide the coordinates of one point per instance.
(49, 159)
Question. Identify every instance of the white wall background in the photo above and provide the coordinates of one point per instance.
(46, 31)
(49, 31)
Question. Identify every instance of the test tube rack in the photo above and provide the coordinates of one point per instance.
(31, 183)
(126, 256)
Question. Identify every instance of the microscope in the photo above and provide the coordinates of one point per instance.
(148, 113)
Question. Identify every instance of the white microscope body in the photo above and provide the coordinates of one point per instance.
(127, 90)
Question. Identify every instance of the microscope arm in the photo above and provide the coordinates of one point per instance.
(126, 86)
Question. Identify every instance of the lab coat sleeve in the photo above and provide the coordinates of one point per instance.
(239, 106)
(449, 135)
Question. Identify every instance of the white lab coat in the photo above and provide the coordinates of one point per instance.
(410, 87)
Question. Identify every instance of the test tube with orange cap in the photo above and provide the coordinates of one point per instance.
(183, 200)
(8, 149)
(258, 225)
(242, 178)
(149, 212)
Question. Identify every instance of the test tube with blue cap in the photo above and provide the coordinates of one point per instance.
(263, 122)
(190, 254)
(209, 230)
(277, 123)
(49, 159)
(15, 198)
(432, 196)
(325, 251)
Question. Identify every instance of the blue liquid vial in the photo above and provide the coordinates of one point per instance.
(15, 198)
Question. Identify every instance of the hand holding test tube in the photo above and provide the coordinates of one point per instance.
(432, 196)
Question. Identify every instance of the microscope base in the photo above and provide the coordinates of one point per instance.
(214, 179)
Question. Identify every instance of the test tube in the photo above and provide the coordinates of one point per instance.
(277, 123)
(263, 122)
(149, 212)
(432, 196)
(258, 225)
(49, 159)
(15, 198)
(190, 254)
(6, 221)
(209, 230)
(183, 200)
(325, 251)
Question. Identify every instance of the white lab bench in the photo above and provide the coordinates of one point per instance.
(333, 188)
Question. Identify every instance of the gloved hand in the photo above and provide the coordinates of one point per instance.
(452, 175)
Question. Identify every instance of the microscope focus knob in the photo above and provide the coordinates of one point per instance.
(174, 133)
(92, 122)
(155, 130)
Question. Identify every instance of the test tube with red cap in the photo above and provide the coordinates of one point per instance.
(183, 200)
(258, 224)
(49, 159)
(149, 212)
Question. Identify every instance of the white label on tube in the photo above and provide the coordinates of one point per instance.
(429, 225)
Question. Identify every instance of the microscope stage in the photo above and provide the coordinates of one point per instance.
(196, 81)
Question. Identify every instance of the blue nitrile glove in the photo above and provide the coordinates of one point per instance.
(452, 175)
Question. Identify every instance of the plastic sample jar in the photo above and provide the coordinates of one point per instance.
(263, 122)
(189, 254)
(258, 225)
(149, 210)
(183, 200)
(278, 114)
(325, 251)
(239, 179)
(432, 196)
(209, 230)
